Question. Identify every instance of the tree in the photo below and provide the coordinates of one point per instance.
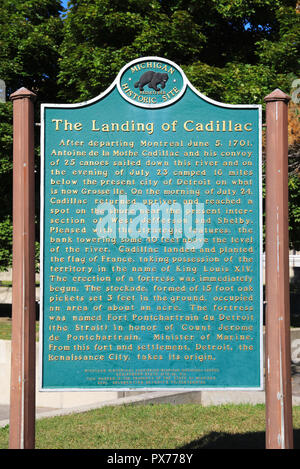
(6, 185)
(231, 50)
(30, 34)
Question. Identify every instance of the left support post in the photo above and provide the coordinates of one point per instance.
(22, 389)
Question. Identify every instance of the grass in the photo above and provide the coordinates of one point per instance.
(5, 328)
(161, 426)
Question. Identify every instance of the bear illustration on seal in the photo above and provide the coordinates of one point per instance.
(152, 79)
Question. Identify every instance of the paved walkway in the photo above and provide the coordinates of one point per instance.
(202, 398)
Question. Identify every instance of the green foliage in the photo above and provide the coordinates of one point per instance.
(30, 34)
(207, 79)
(101, 36)
(236, 83)
(6, 145)
(234, 51)
(189, 427)
(5, 243)
(282, 53)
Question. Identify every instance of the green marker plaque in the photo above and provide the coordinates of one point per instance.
(151, 264)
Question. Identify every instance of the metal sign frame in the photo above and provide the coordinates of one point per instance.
(116, 84)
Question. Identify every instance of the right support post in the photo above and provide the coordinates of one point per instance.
(279, 426)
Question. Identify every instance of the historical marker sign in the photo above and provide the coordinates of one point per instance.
(151, 238)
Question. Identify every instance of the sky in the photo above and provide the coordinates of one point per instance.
(64, 3)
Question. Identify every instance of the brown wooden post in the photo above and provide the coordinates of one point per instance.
(279, 425)
(22, 393)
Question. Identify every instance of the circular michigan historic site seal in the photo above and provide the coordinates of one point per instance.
(151, 82)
